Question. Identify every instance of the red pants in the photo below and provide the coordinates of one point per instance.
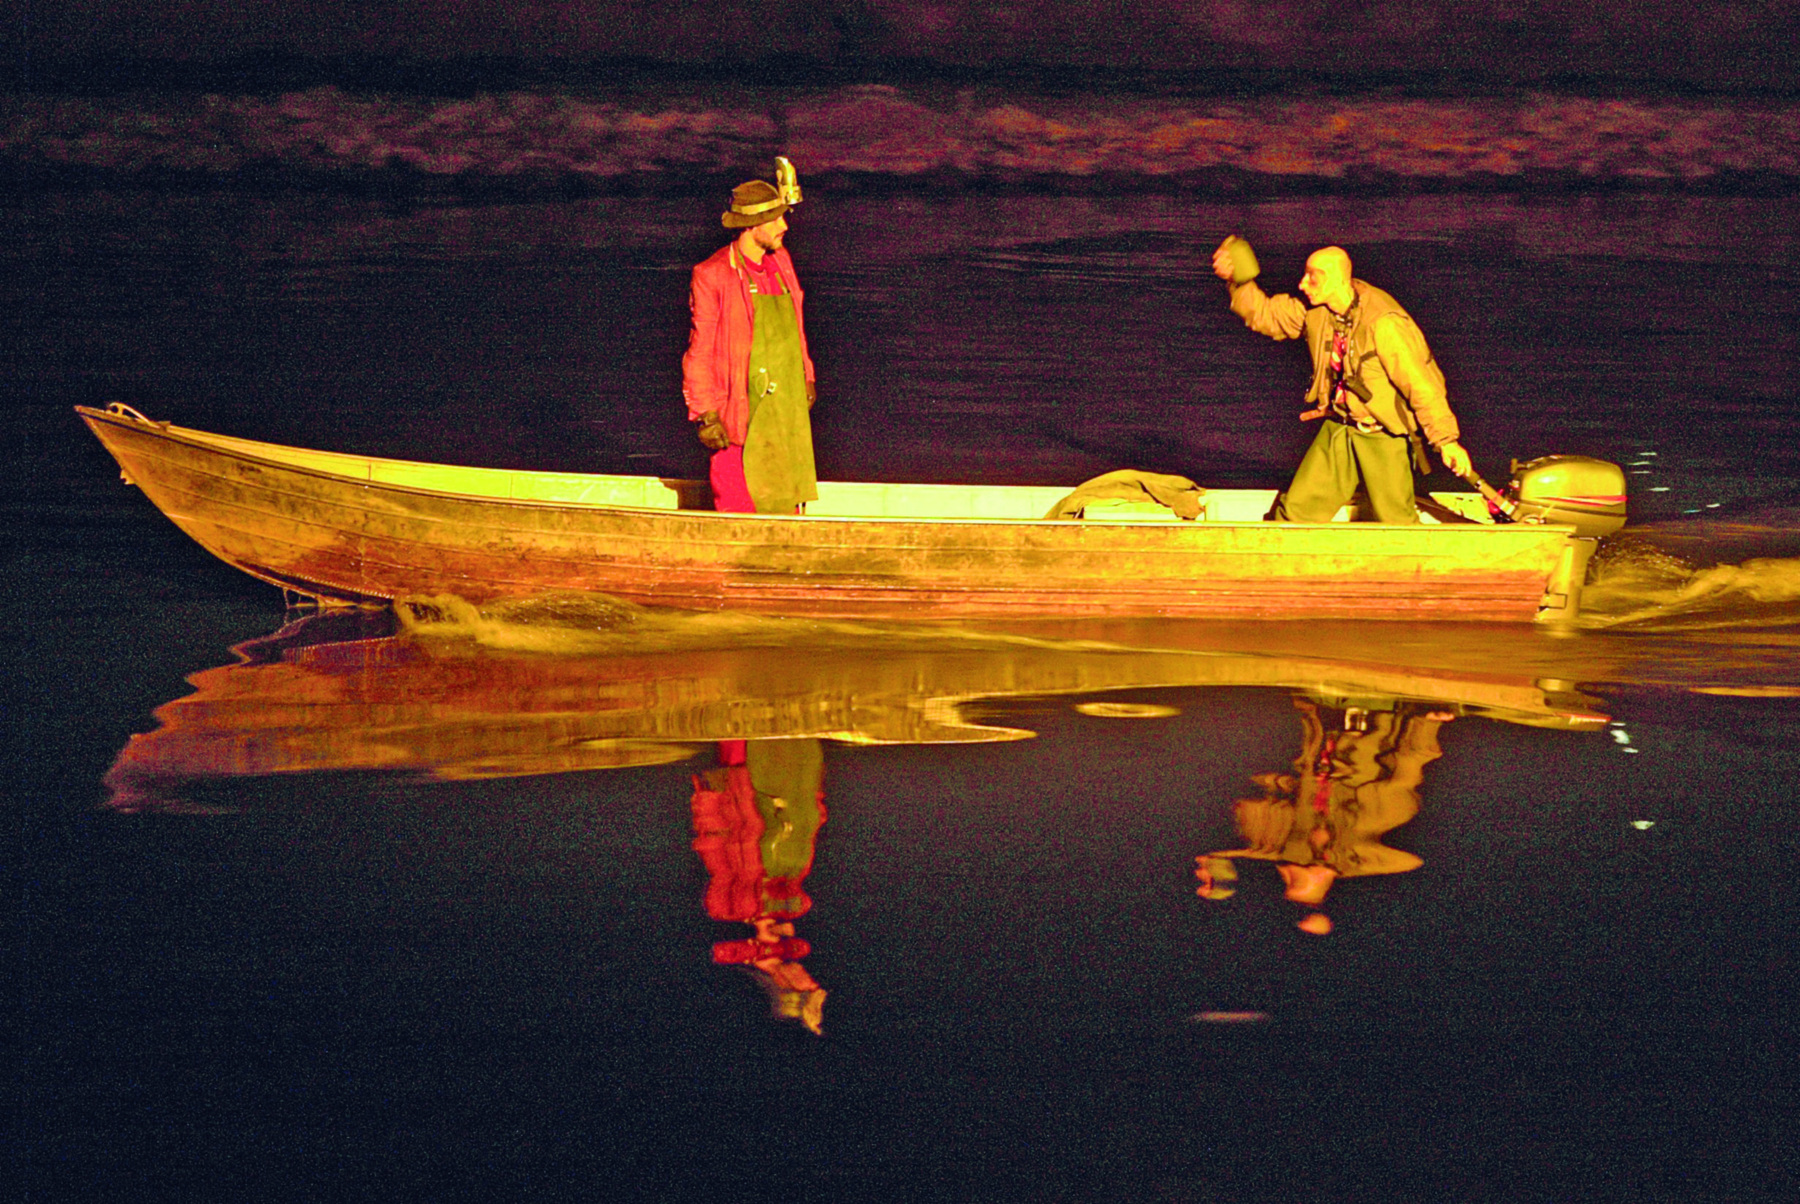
(730, 491)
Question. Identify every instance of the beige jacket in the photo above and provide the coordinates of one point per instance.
(1392, 377)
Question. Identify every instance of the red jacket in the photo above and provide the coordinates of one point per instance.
(715, 370)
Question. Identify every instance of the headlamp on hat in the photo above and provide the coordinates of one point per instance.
(787, 180)
(755, 202)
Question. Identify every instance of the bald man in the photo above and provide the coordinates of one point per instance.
(1374, 383)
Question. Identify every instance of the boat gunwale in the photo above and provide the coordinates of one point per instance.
(210, 442)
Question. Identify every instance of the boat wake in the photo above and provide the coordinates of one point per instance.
(1638, 586)
(563, 622)
(588, 623)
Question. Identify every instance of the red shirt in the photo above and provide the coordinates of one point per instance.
(764, 277)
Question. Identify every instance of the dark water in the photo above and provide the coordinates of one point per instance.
(414, 908)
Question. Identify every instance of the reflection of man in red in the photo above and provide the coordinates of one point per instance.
(1350, 786)
(755, 820)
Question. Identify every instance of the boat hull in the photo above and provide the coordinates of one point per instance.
(353, 530)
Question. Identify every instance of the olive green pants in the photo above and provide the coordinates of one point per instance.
(1340, 458)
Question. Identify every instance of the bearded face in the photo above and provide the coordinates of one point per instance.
(768, 236)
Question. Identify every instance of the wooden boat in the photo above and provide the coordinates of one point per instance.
(348, 529)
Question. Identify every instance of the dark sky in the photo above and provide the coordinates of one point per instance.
(1731, 44)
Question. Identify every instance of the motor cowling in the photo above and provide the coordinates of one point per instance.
(1579, 491)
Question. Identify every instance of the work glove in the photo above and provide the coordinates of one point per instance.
(1235, 261)
(712, 431)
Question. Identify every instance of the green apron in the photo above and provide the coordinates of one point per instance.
(786, 776)
(778, 449)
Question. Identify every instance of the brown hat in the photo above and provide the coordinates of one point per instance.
(755, 202)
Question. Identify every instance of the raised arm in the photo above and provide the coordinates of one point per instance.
(1279, 317)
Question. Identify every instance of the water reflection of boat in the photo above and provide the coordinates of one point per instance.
(344, 528)
(333, 692)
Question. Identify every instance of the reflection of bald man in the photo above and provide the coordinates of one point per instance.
(1326, 819)
(1374, 382)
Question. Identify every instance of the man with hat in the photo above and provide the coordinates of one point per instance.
(747, 377)
(1374, 382)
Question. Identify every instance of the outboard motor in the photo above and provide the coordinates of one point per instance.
(1580, 492)
(1584, 493)
(1574, 491)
